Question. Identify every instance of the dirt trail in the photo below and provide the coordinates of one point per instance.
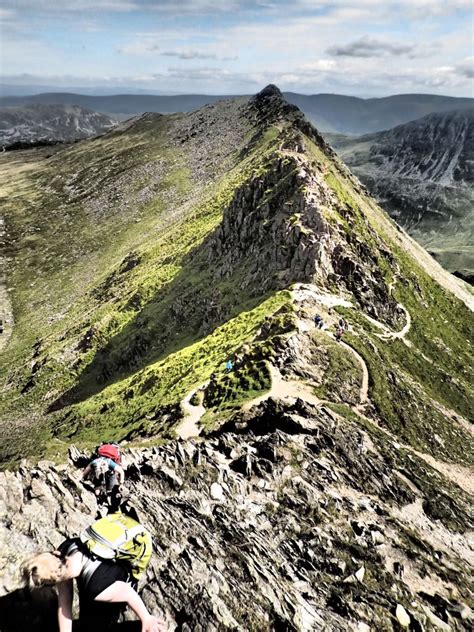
(189, 427)
(364, 389)
(388, 333)
(6, 314)
(458, 474)
(283, 389)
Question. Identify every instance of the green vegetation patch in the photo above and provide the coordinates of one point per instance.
(341, 372)
(144, 401)
(405, 408)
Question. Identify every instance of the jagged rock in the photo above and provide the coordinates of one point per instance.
(377, 537)
(216, 491)
(402, 616)
(359, 574)
(285, 519)
(438, 623)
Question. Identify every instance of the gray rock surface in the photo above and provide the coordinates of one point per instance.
(254, 529)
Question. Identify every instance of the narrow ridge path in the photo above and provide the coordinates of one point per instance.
(6, 313)
(364, 389)
(282, 389)
(189, 427)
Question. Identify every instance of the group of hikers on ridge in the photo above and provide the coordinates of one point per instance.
(341, 327)
(107, 559)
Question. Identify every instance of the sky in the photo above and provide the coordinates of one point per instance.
(364, 48)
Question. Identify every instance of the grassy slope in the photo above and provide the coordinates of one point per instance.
(90, 280)
(406, 380)
(94, 282)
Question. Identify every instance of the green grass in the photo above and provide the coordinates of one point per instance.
(406, 409)
(122, 308)
(90, 318)
(341, 372)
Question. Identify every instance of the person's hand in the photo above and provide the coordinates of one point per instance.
(153, 624)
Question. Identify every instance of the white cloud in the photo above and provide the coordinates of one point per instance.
(371, 47)
(73, 6)
(465, 68)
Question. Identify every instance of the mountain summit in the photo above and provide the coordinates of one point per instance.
(286, 370)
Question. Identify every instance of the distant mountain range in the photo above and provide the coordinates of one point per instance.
(328, 112)
(422, 173)
(44, 124)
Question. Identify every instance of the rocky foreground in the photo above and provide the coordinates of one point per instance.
(287, 518)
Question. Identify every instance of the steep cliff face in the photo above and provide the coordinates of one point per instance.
(195, 251)
(421, 172)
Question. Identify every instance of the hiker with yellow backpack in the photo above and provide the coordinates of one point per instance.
(106, 560)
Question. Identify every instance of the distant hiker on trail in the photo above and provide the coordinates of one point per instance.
(106, 575)
(339, 333)
(103, 471)
(229, 366)
(343, 324)
(318, 321)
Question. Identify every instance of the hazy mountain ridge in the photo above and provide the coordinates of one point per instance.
(330, 486)
(422, 173)
(41, 123)
(329, 112)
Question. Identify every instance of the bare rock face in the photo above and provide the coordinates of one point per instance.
(421, 173)
(254, 529)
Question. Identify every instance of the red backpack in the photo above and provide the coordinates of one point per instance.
(111, 451)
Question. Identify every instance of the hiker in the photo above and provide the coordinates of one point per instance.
(339, 333)
(105, 471)
(228, 366)
(343, 324)
(106, 586)
(318, 321)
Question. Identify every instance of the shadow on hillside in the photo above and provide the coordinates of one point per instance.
(181, 313)
(198, 300)
(36, 611)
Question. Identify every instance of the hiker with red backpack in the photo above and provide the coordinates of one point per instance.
(106, 560)
(105, 470)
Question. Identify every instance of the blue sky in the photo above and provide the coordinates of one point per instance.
(364, 48)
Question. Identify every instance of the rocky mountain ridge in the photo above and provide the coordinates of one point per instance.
(317, 484)
(333, 113)
(33, 124)
(422, 174)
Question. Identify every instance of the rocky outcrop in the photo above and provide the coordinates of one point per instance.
(287, 518)
(275, 227)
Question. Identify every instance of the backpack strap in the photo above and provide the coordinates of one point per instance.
(88, 570)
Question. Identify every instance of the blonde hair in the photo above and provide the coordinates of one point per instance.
(45, 569)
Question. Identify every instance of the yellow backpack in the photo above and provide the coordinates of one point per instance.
(121, 538)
